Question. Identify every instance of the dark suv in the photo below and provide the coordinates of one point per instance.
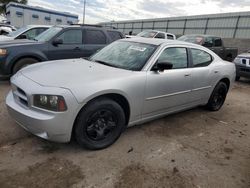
(58, 42)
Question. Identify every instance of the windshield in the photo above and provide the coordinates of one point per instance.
(147, 34)
(125, 55)
(18, 32)
(48, 34)
(192, 39)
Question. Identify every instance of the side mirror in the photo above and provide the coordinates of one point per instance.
(23, 36)
(57, 41)
(161, 66)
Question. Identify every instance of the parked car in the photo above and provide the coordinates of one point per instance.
(213, 43)
(58, 42)
(154, 34)
(27, 32)
(129, 82)
(242, 63)
(6, 29)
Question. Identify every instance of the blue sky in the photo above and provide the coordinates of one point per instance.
(107, 10)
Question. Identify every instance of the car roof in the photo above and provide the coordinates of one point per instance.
(88, 26)
(35, 26)
(158, 31)
(200, 35)
(158, 42)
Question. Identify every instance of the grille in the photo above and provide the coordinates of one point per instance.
(244, 61)
(21, 96)
(245, 70)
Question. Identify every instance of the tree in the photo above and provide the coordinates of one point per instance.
(3, 4)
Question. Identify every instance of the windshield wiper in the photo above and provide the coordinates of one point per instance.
(105, 63)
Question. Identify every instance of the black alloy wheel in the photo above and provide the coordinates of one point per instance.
(218, 97)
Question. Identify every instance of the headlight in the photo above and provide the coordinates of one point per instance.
(237, 60)
(3, 52)
(50, 102)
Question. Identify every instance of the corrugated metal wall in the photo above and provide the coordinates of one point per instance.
(228, 25)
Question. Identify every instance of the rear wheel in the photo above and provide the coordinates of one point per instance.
(23, 63)
(99, 124)
(218, 97)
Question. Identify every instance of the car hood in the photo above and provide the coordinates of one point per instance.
(5, 38)
(244, 55)
(19, 42)
(72, 73)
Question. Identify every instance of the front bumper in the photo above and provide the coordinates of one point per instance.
(54, 126)
(243, 71)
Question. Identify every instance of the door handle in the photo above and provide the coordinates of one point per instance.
(216, 72)
(77, 48)
(186, 75)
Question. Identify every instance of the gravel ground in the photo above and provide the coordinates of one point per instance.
(195, 148)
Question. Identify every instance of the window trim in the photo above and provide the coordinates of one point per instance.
(161, 51)
(191, 57)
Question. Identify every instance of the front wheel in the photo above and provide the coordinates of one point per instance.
(23, 63)
(218, 97)
(99, 124)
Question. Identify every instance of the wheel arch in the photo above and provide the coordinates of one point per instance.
(18, 58)
(117, 97)
(226, 81)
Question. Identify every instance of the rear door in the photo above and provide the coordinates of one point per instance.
(94, 40)
(202, 74)
(72, 46)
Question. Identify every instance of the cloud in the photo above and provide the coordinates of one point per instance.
(108, 10)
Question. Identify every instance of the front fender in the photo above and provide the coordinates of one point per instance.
(12, 59)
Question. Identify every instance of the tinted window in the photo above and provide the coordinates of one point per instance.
(208, 42)
(201, 58)
(114, 35)
(176, 56)
(71, 37)
(170, 37)
(160, 36)
(217, 42)
(94, 37)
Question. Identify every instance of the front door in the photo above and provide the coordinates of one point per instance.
(171, 89)
(72, 46)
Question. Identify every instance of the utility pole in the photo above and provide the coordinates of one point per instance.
(83, 16)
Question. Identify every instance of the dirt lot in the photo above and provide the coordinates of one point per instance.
(195, 148)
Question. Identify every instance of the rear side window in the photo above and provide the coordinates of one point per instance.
(94, 37)
(217, 42)
(171, 37)
(201, 58)
(114, 35)
(160, 36)
(72, 36)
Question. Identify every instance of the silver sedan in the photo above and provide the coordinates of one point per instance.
(129, 82)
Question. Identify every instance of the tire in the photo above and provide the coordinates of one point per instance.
(218, 97)
(23, 63)
(237, 78)
(99, 124)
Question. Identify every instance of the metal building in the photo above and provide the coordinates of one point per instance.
(227, 25)
(20, 15)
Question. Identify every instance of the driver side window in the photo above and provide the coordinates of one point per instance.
(71, 36)
(176, 56)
